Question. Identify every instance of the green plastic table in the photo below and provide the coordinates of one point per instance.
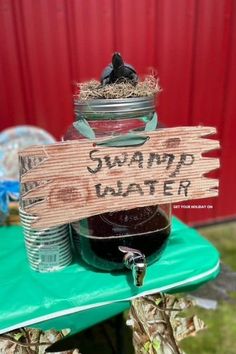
(78, 297)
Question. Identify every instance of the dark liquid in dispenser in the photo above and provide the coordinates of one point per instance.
(145, 229)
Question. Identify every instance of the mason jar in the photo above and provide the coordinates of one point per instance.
(103, 241)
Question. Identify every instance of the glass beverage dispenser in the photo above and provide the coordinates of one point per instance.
(123, 239)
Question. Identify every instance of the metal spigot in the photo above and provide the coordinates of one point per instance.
(136, 261)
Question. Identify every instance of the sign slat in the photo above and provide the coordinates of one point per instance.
(78, 179)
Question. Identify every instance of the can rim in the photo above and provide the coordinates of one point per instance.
(33, 234)
(46, 242)
(55, 268)
(61, 256)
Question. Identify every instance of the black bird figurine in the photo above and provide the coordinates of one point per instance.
(118, 71)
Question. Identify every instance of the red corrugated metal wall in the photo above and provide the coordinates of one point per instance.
(47, 45)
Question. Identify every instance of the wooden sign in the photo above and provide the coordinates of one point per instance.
(77, 179)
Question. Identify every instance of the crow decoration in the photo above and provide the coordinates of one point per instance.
(119, 71)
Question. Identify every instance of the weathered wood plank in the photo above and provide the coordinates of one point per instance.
(85, 179)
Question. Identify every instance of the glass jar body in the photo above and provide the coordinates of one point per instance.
(98, 238)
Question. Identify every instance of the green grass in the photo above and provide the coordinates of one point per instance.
(224, 238)
(219, 338)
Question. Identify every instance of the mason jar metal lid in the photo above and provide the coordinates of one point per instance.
(106, 108)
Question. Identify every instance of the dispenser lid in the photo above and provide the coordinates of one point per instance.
(101, 108)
